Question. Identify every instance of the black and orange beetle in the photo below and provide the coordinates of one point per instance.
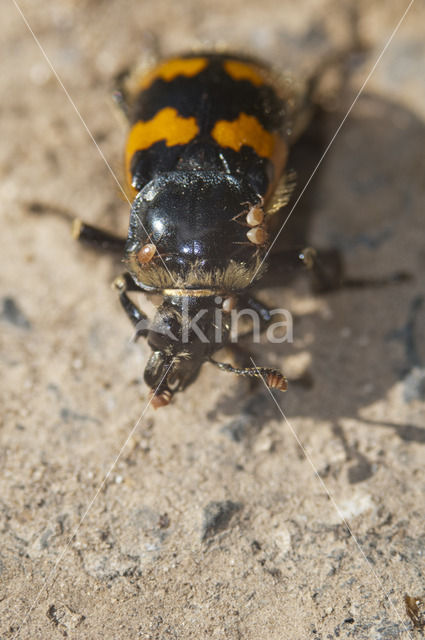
(206, 159)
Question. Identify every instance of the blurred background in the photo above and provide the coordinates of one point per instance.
(212, 523)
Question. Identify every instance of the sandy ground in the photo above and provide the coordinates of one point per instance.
(209, 519)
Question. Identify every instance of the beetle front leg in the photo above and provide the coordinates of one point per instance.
(247, 302)
(263, 312)
(138, 319)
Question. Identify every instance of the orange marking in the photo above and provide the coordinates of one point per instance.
(170, 69)
(243, 71)
(245, 130)
(165, 125)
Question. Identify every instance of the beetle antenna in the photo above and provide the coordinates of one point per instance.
(273, 378)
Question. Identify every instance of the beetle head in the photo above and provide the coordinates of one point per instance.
(182, 337)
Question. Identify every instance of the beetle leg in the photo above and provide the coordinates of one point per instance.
(97, 238)
(138, 319)
(249, 302)
(324, 267)
(327, 272)
(246, 301)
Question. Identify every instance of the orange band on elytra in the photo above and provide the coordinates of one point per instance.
(245, 130)
(166, 125)
(243, 71)
(170, 69)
